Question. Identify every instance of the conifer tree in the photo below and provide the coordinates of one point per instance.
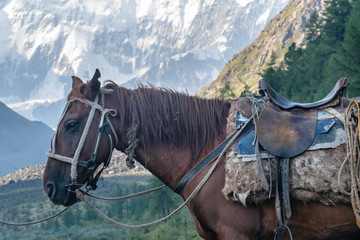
(309, 74)
(349, 55)
(337, 12)
(312, 29)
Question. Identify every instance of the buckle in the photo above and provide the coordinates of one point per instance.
(91, 186)
(73, 186)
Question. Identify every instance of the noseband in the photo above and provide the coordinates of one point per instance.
(104, 124)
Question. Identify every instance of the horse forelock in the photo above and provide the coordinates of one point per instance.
(166, 116)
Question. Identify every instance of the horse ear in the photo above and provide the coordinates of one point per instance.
(76, 81)
(94, 83)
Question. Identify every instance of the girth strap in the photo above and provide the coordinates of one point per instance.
(282, 198)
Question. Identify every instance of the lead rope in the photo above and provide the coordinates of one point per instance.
(66, 159)
(35, 222)
(124, 197)
(88, 194)
(81, 195)
(352, 125)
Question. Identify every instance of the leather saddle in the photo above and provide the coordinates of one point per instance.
(285, 133)
(285, 128)
(337, 92)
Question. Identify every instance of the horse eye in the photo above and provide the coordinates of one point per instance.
(72, 126)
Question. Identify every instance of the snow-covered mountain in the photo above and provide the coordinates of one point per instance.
(181, 44)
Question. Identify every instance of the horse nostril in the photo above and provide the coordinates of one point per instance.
(51, 190)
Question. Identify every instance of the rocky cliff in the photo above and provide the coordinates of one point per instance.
(285, 28)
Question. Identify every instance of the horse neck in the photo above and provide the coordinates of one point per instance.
(166, 159)
(169, 162)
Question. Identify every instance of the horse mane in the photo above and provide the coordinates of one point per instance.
(166, 116)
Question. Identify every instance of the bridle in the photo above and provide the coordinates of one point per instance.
(104, 126)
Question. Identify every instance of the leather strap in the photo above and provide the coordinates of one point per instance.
(93, 179)
(282, 198)
(208, 159)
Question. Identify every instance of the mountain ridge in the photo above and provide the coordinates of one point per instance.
(178, 44)
(244, 69)
(22, 142)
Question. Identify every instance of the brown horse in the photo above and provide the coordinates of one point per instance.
(175, 131)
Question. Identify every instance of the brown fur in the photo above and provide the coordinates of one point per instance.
(165, 116)
(176, 132)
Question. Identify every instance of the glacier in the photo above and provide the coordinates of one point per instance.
(179, 44)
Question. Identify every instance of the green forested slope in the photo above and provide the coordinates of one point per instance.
(333, 51)
(26, 201)
(245, 68)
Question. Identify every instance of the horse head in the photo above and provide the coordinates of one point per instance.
(75, 158)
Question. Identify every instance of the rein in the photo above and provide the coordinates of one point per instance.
(104, 124)
(81, 194)
(35, 222)
(90, 165)
(123, 197)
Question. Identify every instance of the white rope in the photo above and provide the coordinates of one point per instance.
(35, 222)
(104, 116)
(353, 135)
(125, 197)
(59, 157)
(256, 110)
(81, 144)
(53, 139)
(81, 196)
(340, 174)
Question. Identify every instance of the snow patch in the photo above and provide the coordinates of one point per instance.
(26, 108)
(264, 17)
(76, 45)
(191, 10)
(210, 52)
(4, 36)
(243, 3)
(10, 99)
(51, 88)
(143, 8)
(146, 42)
(142, 40)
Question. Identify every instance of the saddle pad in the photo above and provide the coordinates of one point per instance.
(313, 174)
(286, 133)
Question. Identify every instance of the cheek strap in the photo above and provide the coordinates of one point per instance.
(104, 124)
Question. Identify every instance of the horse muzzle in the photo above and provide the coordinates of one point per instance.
(60, 195)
